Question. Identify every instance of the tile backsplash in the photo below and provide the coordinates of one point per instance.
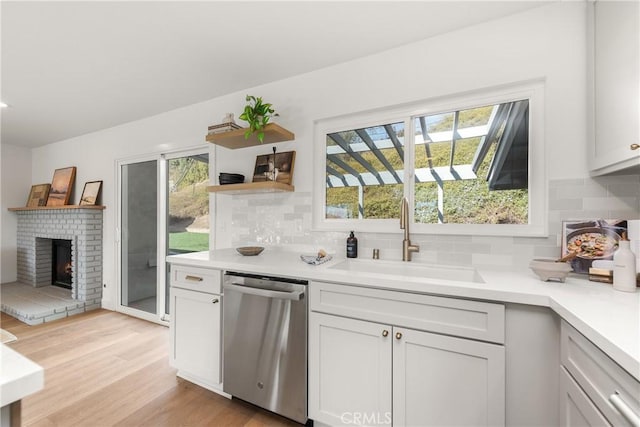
(285, 219)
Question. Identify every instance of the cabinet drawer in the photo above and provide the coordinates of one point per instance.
(196, 279)
(470, 319)
(576, 407)
(612, 389)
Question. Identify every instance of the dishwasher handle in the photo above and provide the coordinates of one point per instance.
(269, 293)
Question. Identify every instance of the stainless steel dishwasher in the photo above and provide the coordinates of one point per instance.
(265, 342)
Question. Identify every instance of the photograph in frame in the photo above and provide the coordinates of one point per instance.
(279, 169)
(591, 240)
(61, 186)
(90, 193)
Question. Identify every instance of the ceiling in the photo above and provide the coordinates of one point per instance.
(70, 68)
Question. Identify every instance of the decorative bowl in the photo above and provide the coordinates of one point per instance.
(230, 178)
(231, 175)
(549, 269)
(250, 250)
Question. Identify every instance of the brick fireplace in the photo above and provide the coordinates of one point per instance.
(38, 228)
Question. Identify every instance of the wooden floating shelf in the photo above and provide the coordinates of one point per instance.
(51, 208)
(252, 187)
(234, 139)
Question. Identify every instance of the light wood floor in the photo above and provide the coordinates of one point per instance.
(106, 369)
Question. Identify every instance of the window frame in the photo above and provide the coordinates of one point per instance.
(537, 206)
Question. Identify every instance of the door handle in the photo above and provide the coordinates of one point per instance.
(385, 333)
(193, 278)
(398, 335)
(268, 293)
(624, 409)
(634, 146)
(215, 301)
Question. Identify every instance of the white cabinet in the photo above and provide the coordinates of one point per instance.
(615, 50)
(349, 371)
(440, 380)
(371, 373)
(196, 325)
(599, 390)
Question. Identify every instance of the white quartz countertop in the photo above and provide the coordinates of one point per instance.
(610, 319)
(19, 376)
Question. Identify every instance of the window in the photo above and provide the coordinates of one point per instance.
(471, 165)
(365, 165)
(465, 164)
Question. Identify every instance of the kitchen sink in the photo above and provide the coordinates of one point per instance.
(408, 269)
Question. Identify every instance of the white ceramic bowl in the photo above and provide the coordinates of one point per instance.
(549, 269)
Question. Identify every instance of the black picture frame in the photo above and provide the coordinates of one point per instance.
(90, 193)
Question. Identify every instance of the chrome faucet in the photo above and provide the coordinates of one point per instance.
(407, 247)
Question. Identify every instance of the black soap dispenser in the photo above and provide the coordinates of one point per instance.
(352, 246)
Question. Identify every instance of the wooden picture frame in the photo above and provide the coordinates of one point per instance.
(38, 195)
(90, 193)
(61, 186)
(281, 168)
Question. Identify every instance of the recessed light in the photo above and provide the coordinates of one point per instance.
(3, 105)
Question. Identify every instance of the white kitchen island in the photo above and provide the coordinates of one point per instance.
(19, 377)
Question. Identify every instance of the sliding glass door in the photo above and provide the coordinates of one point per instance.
(187, 210)
(164, 210)
(139, 236)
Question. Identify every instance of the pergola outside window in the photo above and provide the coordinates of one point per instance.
(483, 150)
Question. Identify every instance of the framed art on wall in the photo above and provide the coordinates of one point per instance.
(90, 193)
(61, 186)
(38, 195)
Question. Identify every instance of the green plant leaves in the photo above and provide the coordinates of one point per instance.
(257, 113)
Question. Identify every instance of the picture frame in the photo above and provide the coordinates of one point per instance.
(61, 186)
(275, 167)
(38, 195)
(90, 193)
(592, 240)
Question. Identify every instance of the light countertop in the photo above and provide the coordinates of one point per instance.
(19, 376)
(610, 319)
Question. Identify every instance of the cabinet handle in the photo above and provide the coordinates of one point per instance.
(398, 335)
(622, 407)
(193, 278)
(215, 301)
(635, 146)
(385, 333)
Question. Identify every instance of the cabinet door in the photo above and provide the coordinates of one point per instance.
(440, 380)
(349, 371)
(616, 74)
(576, 408)
(195, 334)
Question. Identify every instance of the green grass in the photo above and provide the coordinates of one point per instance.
(189, 242)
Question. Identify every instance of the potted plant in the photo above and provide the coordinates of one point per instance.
(257, 113)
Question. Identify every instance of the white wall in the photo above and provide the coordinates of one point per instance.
(15, 183)
(547, 42)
